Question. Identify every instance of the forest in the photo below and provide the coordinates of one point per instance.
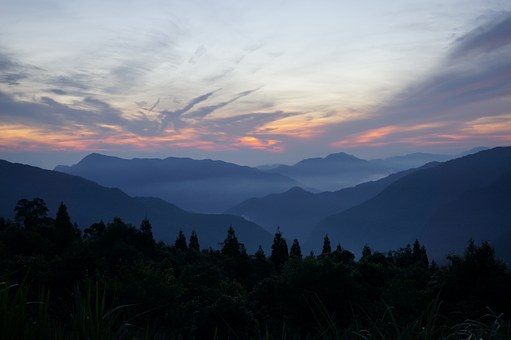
(113, 280)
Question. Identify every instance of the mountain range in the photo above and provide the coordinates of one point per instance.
(210, 186)
(341, 170)
(297, 211)
(88, 203)
(205, 186)
(335, 171)
(442, 206)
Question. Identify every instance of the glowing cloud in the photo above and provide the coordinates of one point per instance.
(271, 145)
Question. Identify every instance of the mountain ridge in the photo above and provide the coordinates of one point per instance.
(89, 202)
(297, 211)
(406, 207)
(207, 186)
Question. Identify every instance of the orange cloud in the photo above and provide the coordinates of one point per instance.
(256, 143)
(489, 125)
(14, 137)
(304, 126)
(379, 136)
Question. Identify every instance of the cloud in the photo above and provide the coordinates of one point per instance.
(252, 142)
(199, 52)
(186, 116)
(174, 117)
(58, 91)
(484, 39)
(74, 81)
(12, 72)
(473, 81)
(90, 112)
(207, 110)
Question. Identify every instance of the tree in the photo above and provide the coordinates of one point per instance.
(259, 254)
(65, 231)
(181, 241)
(194, 241)
(343, 255)
(30, 212)
(475, 281)
(296, 251)
(231, 246)
(327, 248)
(419, 254)
(95, 230)
(146, 230)
(366, 252)
(279, 251)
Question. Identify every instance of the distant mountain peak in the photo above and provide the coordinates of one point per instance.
(297, 190)
(97, 157)
(341, 156)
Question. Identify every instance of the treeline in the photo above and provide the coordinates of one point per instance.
(113, 280)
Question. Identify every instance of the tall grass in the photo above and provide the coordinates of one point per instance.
(92, 318)
(22, 318)
(430, 325)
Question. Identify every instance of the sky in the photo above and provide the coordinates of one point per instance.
(252, 82)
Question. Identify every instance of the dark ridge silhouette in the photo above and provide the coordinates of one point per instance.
(88, 203)
(342, 170)
(443, 205)
(332, 172)
(297, 211)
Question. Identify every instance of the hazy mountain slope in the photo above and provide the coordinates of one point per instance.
(426, 204)
(89, 202)
(332, 172)
(196, 185)
(298, 211)
(341, 170)
(483, 214)
(409, 161)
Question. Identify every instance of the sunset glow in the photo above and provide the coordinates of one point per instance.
(260, 82)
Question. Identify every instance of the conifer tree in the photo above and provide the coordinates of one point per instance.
(146, 230)
(419, 254)
(259, 254)
(194, 241)
(181, 241)
(327, 248)
(296, 251)
(279, 251)
(231, 245)
(64, 229)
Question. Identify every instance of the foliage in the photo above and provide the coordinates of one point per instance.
(116, 282)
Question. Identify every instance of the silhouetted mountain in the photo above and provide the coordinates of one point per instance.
(297, 211)
(341, 170)
(196, 185)
(409, 161)
(332, 172)
(473, 150)
(89, 202)
(442, 206)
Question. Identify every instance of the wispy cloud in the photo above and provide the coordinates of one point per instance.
(90, 112)
(468, 85)
(484, 39)
(12, 72)
(174, 117)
